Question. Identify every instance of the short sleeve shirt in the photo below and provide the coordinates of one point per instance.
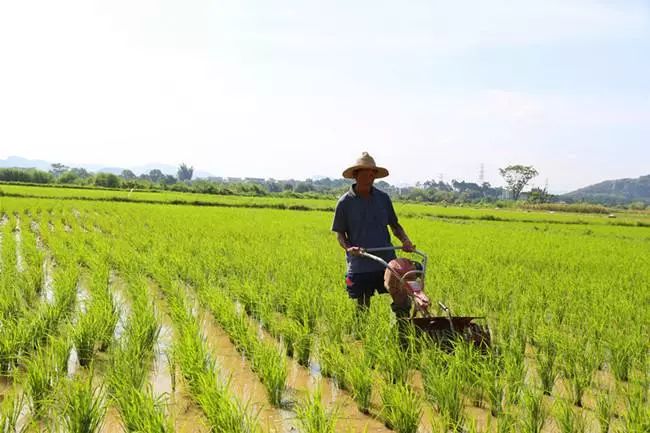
(365, 221)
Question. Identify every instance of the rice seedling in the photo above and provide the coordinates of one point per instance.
(11, 408)
(139, 411)
(506, 423)
(84, 407)
(476, 372)
(40, 382)
(637, 412)
(546, 356)
(10, 342)
(85, 337)
(622, 354)
(605, 410)
(395, 364)
(360, 379)
(535, 412)
(443, 388)
(494, 384)
(570, 419)
(313, 416)
(302, 343)
(402, 407)
(577, 368)
(272, 367)
(107, 317)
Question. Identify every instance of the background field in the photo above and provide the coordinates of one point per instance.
(193, 295)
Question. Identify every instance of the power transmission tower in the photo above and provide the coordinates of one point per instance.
(481, 175)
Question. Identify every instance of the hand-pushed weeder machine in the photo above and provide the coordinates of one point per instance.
(404, 279)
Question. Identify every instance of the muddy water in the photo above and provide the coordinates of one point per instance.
(83, 296)
(121, 303)
(300, 381)
(48, 281)
(3, 221)
(20, 266)
(161, 377)
(112, 421)
(243, 382)
(5, 386)
(73, 362)
(36, 229)
(165, 383)
(166, 379)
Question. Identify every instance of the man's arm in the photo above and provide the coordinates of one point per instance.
(344, 242)
(400, 234)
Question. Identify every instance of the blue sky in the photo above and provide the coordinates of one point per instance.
(294, 89)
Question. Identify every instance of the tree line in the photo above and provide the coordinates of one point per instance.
(454, 192)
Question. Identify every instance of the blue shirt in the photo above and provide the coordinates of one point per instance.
(365, 222)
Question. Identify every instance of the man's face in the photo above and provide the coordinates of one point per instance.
(365, 176)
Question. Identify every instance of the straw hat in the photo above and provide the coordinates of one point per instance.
(366, 161)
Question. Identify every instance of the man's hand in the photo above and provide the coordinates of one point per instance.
(354, 251)
(408, 246)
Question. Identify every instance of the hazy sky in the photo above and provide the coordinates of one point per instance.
(294, 89)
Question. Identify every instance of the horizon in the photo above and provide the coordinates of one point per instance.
(295, 90)
(200, 174)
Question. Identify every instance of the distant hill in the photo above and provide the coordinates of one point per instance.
(618, 191)
(20, 162)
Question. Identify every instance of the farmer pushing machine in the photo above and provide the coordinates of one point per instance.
(361, 220)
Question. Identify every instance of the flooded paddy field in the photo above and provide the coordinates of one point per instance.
(154, 317)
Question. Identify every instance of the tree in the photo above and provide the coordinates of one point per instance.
(156, 175)
(80, 172)
(185, 172)
(68, 177)
(107, 180)
(517, 177)
(127, 174)
(58, 169)
(539, 195)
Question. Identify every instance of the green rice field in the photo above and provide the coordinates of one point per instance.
(160, 312)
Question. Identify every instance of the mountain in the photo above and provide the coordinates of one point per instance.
(618, 191)
(20, 162)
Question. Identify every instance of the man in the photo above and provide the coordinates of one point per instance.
(361, 220)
